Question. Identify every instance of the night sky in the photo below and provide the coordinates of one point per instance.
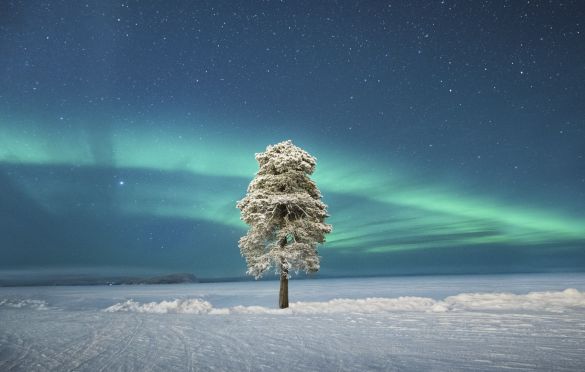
(450, 135)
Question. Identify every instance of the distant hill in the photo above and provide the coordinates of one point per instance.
(163, 279)
(176, 278)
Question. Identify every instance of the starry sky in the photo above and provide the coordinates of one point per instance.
(450, 135)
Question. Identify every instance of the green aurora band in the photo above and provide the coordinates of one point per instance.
(383, 210)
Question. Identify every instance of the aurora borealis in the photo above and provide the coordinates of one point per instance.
(450, 135)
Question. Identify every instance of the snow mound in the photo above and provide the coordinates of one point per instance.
(534, 301)
(188, 306)
(558, 301)
(24, 303)
(368, 305)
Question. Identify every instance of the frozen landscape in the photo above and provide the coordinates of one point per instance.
(511, 322)
(145, 144)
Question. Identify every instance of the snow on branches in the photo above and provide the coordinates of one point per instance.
(285, 213)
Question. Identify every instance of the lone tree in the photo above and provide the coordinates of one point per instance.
(286, 216)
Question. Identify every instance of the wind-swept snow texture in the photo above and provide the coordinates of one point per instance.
(519, 322)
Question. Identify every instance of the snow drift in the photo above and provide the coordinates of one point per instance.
(24, 303)
(558, 301)
(189, 306)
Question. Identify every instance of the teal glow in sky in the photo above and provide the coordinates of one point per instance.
(376, 210)
(442, 146)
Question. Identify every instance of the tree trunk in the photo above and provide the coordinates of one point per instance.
(283, 296)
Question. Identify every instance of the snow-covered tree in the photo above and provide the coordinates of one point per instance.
(286, 216)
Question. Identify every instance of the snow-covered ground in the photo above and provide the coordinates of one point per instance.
(519, 322)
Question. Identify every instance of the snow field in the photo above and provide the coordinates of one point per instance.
(380, 324)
